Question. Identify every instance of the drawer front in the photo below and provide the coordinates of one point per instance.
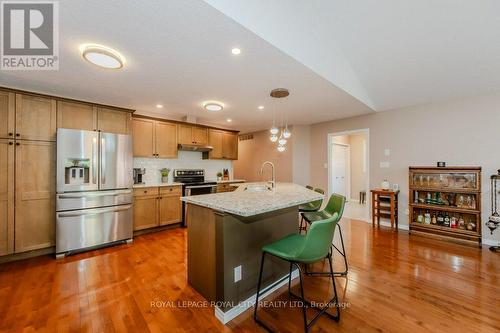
(141, 192)
(166, 190)
(83, 200)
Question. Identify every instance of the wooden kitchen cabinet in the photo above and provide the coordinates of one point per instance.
(143, 134)
(224, 144)
(157, 206)
(113, 120)
(145, 212)
(6, 196)
(165, 139)
(7, 114)
(35, 118)
(170, 205)
(35, 184)
(76, 115)
(154, 138)
(189, 134)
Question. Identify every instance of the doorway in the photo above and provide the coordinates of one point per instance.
(348, 170)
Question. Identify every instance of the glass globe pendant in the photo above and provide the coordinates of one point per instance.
(286, 133)
(274, 130)
(281, 148)
(274, 138)
(282, 141)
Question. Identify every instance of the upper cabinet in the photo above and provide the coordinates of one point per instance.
(190, 134)
(76, 115)
(35, 118)
(224, 144)
(153, 138)
(7, 114)
(113, 120)
(90, 117)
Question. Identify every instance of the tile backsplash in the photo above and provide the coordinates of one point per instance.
(184, 160)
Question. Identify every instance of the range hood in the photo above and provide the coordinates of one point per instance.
(194, 147)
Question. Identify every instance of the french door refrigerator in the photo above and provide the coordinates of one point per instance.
(94, 200)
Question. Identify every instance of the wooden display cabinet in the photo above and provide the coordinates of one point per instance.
(445, 203)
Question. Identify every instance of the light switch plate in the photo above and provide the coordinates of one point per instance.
(385, 164)
(237, 273)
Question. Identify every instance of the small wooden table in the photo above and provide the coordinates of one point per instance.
(384, 204)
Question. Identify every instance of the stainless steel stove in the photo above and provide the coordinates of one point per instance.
(193, 183)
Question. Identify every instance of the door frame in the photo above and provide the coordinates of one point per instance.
(365, 131)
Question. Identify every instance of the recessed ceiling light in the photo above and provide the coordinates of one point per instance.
(213, 106)
(261, 107)
(229, 120)
(235, 51)
(102, 56)
(159, 106)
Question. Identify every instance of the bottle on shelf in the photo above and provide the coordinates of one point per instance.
(461, 222)
(447, 222)
(420, 217)
(434, 219)
(440, 219)
(454, 222)
(427, 217)
(415, 198)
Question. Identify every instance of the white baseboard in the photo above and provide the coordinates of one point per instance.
(388, 224)
(225, 317)
(491, 242)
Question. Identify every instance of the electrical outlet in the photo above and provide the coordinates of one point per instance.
(385, 164)
(237, 273)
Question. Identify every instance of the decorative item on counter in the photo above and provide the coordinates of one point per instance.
(395, 187)
(225, 174)
(164, 175)
(441, 164)
(219, 176)
(385, 185)
(494, 219)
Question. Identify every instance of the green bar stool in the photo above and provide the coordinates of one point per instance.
(313, 206)
(309, 187)
(335, 206)
(304, 249)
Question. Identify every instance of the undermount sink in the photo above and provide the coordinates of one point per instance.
(257, 188)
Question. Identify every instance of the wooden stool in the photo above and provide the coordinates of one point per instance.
(380, 199)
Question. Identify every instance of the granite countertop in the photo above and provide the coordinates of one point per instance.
(245, 203)
(159, 184)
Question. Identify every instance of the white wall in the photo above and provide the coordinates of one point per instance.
(301, 147)
(462, 132)
(185, 160)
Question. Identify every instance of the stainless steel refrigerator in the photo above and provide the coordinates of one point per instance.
(94, 202)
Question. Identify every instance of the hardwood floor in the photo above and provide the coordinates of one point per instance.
(394, 285)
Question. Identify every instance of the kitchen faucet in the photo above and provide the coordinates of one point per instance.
(273, 181)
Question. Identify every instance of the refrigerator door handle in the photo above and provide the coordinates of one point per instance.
(103, 161)
(94, 160)
(81, 196)
(95, 211)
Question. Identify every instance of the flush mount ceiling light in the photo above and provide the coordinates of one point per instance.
(229, 120)
(102, 56)
(159, 106)
(213, 106)
(235, 51)
(261, 107)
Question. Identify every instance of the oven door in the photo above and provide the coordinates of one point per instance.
(195, 190)
(200, 189)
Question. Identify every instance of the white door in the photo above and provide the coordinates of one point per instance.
(340, 164)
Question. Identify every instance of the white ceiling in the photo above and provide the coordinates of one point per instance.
(179, 54)
(338, 58)
(387, 53)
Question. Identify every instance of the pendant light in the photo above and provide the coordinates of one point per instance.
(285, 133)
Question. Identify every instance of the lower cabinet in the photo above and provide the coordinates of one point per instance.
(157, 206)
(35, 188)
(6, 196)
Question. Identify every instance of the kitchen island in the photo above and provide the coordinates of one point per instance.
(226, 232)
